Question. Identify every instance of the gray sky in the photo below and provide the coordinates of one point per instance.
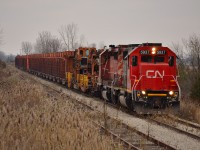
(111, 21)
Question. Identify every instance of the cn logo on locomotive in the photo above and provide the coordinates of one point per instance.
(154, 74)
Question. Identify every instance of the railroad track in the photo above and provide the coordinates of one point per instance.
(179, 125)
(122, 132)
(129, 137)
(185, 122)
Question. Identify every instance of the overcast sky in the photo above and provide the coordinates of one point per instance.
(111, 21)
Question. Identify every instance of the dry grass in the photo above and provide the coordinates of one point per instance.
(190, 109)
(29, 119)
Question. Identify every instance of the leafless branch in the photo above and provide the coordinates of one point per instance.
(46, 43)
(69, 35)
(26, 47)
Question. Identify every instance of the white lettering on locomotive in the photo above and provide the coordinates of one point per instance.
(154, 74)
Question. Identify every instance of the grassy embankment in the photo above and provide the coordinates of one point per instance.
(29, 119)
(190, 109)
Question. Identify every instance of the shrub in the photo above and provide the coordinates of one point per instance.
(195, 90)
(2, 64)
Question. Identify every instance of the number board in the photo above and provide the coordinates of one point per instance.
(144, 52)
(147, 52)
(160, 52)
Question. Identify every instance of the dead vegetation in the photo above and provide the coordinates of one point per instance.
(30, 119)
(2, 64)
(191, 109)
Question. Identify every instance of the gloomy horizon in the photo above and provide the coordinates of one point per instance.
(111, 22)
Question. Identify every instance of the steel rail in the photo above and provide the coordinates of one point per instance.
(147, 137)
(185, 122)
(175, 129)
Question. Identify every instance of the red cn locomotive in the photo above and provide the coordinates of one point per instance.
(142, 77)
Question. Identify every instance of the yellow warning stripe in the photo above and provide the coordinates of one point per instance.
(157, 94)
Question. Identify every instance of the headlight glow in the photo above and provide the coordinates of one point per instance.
(143, 92)
(153, 50)
(171, 92)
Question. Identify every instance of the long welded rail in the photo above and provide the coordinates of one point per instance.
(175, 129)
(185, 122)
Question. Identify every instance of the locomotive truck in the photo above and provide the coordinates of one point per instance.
(141, 77)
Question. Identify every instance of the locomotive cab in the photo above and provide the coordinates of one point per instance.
(153, 79)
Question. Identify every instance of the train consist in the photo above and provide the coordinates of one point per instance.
(142, 77)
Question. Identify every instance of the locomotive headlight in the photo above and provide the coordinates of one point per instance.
(171, 93)
(143, 92)
(153, 51)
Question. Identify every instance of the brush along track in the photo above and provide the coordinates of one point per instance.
(131, 138)
(178, 125)
(165, 135)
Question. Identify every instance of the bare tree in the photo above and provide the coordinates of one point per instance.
(26, 47)
(181, 54)
(69, 36)
(189, 66)
(46, 43)
(193, 48)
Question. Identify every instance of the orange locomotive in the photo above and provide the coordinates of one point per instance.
(142, 77)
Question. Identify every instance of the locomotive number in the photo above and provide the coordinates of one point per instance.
(161, 52)
(144, 52)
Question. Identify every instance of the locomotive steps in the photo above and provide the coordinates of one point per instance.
(155, 131)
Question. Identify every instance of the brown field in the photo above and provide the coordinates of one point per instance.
(30, 119)
(191, 110)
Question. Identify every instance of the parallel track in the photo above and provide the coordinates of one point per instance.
(185, 122)
(131, 138)
(124, 132)
(179, 125)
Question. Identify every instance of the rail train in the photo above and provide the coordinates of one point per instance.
(141, 77)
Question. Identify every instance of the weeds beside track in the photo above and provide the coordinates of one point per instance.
(32, 119)
(131, 138)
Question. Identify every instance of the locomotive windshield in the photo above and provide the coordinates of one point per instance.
(158, 59)
(151, 59)
(146, 58)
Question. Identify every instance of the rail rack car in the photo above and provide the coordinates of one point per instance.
(142, 77)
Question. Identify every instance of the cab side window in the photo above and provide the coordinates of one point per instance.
(171, 61)
(134, 60)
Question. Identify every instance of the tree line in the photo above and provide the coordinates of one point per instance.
(47, 43)
(188, 53)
